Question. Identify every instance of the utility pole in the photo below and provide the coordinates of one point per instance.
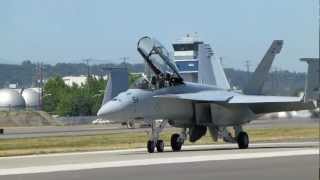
(87, 61)
(124, 59)
(40, 82)
(247, 63)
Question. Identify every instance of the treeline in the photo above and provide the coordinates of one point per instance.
(76, 100)
(84, 100)
(278, 83)
(25, 74)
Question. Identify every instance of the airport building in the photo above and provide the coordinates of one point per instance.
(189, 53)
(78, 80)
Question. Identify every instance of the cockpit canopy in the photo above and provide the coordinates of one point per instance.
(157, 57)
(141, 83)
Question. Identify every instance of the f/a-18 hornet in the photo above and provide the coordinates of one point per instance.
(193, 107)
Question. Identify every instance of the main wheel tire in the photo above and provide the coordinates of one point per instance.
(160, 146)
(150, 146)
(243, 140)
(176, 144)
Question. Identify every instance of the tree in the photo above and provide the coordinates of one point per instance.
(76, 100)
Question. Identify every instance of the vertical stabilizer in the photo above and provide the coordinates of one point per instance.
(255, 84)
(210, 71)
(219, 74)
(312, 89)
(118, 81)
(205, 71)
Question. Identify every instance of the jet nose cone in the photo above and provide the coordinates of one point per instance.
(100, 112)
(107, 109)
(111, 110)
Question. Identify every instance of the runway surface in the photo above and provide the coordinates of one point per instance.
(47, 131)
(298, 160)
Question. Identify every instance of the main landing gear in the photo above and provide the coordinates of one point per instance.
(241, 137)
(243, 140)
(177, 140)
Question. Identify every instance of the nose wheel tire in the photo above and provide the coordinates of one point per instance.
(151, 146)
(243, 140)
(160, 146)
(176, 142)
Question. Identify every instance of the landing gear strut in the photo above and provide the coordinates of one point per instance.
(154, 141)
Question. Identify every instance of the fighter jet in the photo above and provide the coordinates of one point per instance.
(193, 107)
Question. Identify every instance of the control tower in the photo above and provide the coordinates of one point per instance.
(188, 52)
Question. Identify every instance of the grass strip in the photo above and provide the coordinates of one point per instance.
(43, 145)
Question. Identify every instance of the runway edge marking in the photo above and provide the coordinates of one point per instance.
(187, 147)
(154, 161)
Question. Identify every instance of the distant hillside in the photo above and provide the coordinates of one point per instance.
(279, 83)
(25, 74)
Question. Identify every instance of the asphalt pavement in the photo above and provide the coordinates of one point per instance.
(295, 160)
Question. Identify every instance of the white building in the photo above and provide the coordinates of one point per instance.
(78, 80)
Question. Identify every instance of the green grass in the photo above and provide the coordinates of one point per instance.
(41, 145)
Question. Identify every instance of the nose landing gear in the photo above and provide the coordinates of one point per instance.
(160, 145)
(150, 146)
(154, 141)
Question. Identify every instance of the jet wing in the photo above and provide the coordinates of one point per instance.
(268, 104)
(249, 99)
(206, 96)
(258, 104)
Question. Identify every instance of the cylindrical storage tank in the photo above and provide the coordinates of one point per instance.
(32, 98)
(11, 100)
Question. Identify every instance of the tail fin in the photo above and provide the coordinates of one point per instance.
(312, 87)
(255, 84)
(118, 81)
(219, 74)
(211, 71)
(205, 70)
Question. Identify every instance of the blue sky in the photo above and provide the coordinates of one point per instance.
(69, 30)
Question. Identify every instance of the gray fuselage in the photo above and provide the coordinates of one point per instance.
(139, 104)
